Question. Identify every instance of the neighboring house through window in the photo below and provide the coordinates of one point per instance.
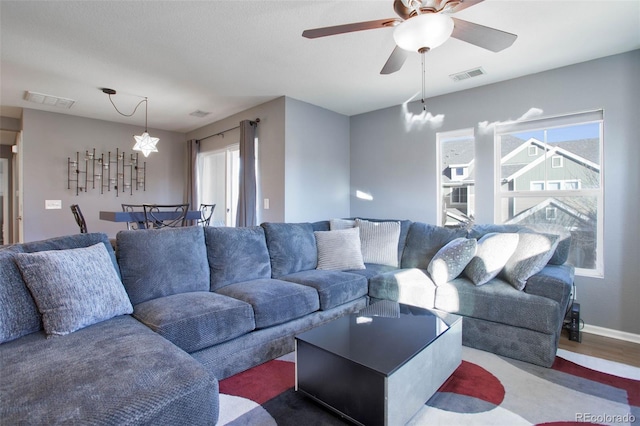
(560, 186)
(456, 162)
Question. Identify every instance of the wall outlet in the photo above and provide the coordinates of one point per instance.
(52, 204)
(266, 204)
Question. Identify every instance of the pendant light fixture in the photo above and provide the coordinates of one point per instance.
(144, 143)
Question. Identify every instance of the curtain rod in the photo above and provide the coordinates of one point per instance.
(256, 121)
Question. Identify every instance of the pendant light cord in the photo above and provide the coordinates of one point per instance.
(134, 110)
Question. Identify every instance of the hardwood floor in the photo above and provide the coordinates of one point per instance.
(603, 347)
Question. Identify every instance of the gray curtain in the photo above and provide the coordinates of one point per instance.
(246, 213)
(193, 174)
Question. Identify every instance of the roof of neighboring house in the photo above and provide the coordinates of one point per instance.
(578, 209)
(458, 152)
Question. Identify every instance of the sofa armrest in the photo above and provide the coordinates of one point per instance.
(553, 282)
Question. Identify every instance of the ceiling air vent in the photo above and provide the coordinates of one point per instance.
(199, 113)
(41, 98)
(467, 74)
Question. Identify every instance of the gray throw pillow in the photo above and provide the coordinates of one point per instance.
(494, 250)
(531, 255)
(339, 250)
(73, 288)
(379, 241)
(337, 224)
(450, 260)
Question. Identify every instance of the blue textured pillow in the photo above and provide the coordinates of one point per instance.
(73, 288)
(494, 250)
(450, 260)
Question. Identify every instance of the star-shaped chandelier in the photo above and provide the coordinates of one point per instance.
(144, 143)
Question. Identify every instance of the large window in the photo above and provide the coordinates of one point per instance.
(219, 183)
(557, 184)
(456, 162)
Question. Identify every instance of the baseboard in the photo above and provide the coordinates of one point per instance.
(614, 334)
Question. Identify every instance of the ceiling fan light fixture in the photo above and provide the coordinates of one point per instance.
(423, 31)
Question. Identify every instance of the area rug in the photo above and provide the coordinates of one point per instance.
(486, 389)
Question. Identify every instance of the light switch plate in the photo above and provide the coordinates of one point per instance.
(266, 204)
(52, 204)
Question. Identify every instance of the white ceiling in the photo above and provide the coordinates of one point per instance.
(227, 56)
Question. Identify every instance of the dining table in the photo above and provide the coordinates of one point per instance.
(138, 216)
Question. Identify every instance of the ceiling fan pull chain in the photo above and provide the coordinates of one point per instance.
(424, 73)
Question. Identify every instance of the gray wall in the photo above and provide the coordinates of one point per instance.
(271, 135)
(50, 138)
(393, 157)
(316, 163)
(303, 159)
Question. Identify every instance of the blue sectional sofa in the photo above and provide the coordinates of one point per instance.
(204, 303)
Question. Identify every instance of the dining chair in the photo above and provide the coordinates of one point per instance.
(134, 208)
(206, 212)
(165, 215)
(77, 214)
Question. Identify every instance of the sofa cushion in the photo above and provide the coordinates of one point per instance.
(236, 254)
(410, 286)
(450, 260)
(18, 312)
(531, 254)
(73, 288)
(339, 250)
(274, 301)
(379, 241)
(161, 262)
(292, 247)
(424, 241)
(114, 372)
(372, 269)
(516, 308)
(196, 320)
(494, 250)
(334, 287)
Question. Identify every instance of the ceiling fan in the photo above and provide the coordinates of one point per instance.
(424, 25)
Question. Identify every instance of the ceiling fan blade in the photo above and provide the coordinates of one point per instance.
(348, 28)
(395, 61)
(463, 5)
(481, 36)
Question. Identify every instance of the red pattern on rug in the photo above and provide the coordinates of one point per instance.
(631, 386)
(261, 383)
(465, 381)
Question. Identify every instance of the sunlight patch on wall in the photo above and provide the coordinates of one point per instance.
(484, 127)
(418, 121)
(364, 196)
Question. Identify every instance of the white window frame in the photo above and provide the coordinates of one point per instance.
(551, 211)
(551, 123)
(560, 164)
(532, 151)
(442, 137)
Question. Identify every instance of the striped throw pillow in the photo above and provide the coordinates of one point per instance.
(379, 241)
(339, 250)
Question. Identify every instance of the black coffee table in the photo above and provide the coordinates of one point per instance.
(378, 367)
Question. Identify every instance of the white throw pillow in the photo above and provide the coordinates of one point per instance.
(339, 250)
(379, 241)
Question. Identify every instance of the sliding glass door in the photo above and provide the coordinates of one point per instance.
(219, 183)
